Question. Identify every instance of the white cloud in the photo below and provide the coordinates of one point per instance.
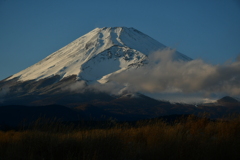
(188, 81)
(165, 75)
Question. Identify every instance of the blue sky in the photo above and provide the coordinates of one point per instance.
(31, 30)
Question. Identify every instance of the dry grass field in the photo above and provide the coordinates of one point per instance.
(194, 139)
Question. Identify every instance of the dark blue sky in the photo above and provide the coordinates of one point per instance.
(30, 30)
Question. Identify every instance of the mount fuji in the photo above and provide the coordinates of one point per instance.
(63, 85)
(92, 58)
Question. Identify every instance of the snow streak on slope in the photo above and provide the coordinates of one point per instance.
(114, 59)
(96, 55)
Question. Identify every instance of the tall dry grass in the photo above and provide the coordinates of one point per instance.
(192, 139)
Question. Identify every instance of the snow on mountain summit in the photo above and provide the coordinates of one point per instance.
(96, 55)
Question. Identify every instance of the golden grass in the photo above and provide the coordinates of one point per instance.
(193, 139)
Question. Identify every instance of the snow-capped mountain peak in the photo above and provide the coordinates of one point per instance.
(96, 55)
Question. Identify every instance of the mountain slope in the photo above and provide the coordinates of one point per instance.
(96, 54)
(90, 59)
